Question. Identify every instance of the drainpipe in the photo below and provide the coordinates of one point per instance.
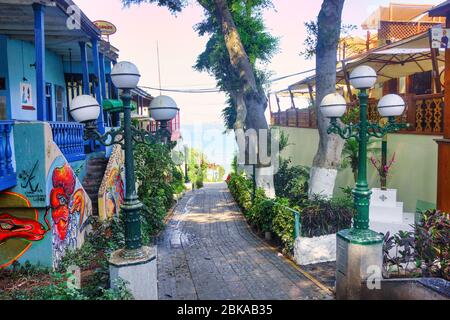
(39, 43)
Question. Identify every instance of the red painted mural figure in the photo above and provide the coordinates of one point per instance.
(28, 229)
(64, 201)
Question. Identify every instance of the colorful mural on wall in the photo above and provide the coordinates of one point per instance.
(111, 191)
(47, 212)
(19, 227)
(68, 208)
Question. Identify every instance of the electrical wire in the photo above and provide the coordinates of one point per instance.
(217, 90)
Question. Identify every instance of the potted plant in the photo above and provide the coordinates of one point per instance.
(383, 169)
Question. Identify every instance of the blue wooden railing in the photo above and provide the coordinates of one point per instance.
(69, 138)
(7, 174)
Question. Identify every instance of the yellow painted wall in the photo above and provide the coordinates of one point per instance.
(414, 174)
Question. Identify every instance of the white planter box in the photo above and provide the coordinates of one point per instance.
(315, 250)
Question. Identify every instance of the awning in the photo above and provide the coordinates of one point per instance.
(399, 59)
(111, 105)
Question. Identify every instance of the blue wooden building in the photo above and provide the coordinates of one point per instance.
(50, 52)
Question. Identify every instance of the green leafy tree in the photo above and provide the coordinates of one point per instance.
(238, 40)
(310, 42)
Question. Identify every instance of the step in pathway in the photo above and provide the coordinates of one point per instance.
(207, 252)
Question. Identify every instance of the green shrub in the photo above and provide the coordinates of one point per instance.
(159, 179)
(432, 243)
(321, 217)
(291, 182)
(262, 212)
(199, 182)
(317, 217)
(284, 223)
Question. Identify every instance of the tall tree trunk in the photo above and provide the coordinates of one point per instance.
(328, 157)
(255, 101)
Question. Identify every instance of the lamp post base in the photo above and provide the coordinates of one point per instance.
(359, 262)
(139, 273)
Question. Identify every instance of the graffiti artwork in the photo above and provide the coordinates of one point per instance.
(19, 227)
(32, 189)
(114, 193)
(111, 192)
(68, 208)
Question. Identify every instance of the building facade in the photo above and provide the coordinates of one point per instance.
(51, 180)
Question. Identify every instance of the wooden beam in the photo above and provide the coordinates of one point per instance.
(291, 95)
(434, 64)
(347, 81)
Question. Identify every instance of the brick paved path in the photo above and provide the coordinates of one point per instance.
(207, 252)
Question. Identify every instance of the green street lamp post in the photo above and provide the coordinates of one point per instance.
(85, 109)
(334, 106)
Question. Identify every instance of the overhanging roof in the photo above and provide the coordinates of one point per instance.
(401, 58)
(17, 22)
(441, 10)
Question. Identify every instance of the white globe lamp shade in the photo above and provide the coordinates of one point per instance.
(363, 77)
(163, 108)
(84, 108)
(391, 105)
(125, 75)
(333, 105)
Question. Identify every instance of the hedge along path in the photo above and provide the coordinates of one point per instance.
(207, 252)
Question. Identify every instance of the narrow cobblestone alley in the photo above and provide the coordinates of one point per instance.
(207, 252)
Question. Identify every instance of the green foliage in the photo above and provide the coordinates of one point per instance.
(234, 164)
(432, 243)
(159, 179)
(47, 284)
(257, 42)
(320, 217)
(350, 154)
(317, 217)
(312, 31)
(240, 187)
(284, 223)
(261, 213)
(197, 166)
(291, 182)
(428, 246)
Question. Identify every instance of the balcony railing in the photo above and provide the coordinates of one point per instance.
(7, 174)
(425, 114)
(173, 126)
(69, 138)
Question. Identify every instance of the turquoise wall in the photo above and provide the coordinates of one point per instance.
(19, 66)
(414, 173)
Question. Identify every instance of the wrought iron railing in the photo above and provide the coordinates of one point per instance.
(425, 114)
(7, 173)
(69, 138)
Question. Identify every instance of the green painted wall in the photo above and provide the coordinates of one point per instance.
(414, 174)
